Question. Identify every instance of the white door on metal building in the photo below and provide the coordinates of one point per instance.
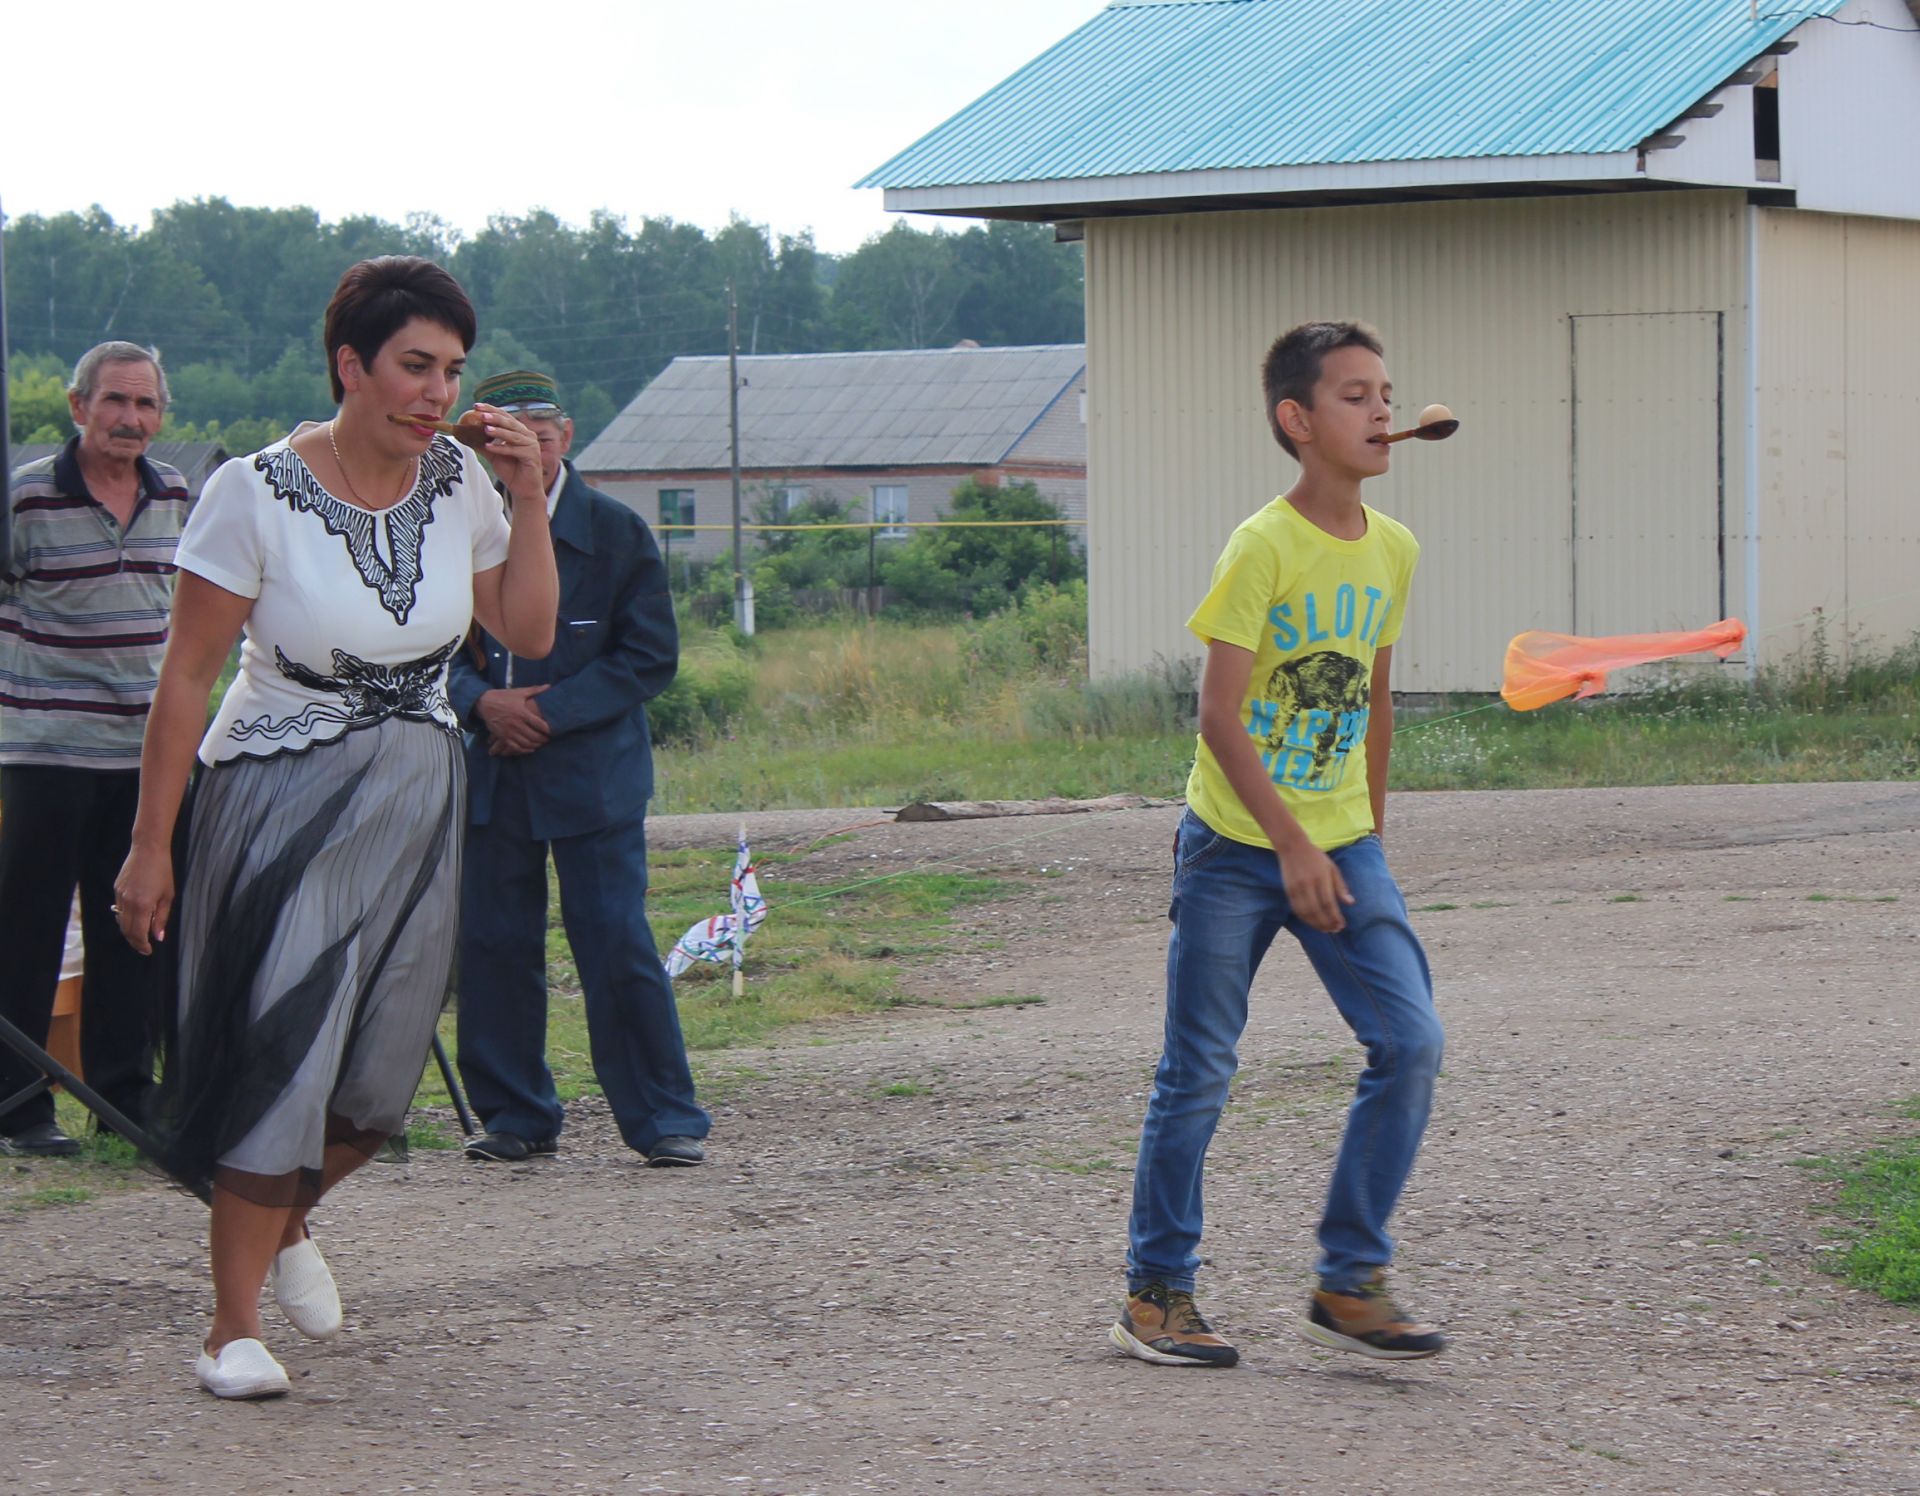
(1648, 466)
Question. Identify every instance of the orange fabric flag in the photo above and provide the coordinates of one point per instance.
(1543, 668)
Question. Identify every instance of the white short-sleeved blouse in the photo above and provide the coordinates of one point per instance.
(355, 613)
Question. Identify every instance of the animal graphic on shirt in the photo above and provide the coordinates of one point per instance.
(1316, 710)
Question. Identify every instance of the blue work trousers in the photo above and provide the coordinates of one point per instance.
(633, 1027)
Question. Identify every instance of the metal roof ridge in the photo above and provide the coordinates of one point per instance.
(1046, 410)
(1148, 87)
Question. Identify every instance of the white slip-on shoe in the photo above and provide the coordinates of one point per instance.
(304, 1290)
(244, 1368)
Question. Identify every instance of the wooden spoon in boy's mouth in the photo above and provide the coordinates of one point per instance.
(472, 432)
(1437, 423)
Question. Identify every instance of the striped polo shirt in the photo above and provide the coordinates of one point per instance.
(83, 615)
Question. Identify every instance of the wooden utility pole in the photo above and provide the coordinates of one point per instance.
(742, 588)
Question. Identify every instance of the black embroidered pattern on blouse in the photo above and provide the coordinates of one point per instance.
(397, 584)
(368, 693)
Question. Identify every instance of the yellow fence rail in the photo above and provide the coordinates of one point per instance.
(882, 524)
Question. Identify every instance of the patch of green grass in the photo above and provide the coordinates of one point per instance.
(823, 952)
(904, 1088)
(1813, 719)
(51, 1194)
(854, 713)
(1263, 1093)
(1878, 1197)
(429, 1134)
(718, 1082)
(102, 1165)
(1626, 898)
(1853, 898)
(1061, 1163)
(1435, 908)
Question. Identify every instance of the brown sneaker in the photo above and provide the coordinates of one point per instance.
(1161, 1325)
(1370, 1323)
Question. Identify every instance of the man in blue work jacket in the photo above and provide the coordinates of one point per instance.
(558, 758)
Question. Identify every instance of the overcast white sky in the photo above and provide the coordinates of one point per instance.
(664, 108)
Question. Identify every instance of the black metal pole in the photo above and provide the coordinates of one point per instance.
(51, 1070)
(6, 418)
(467, 1124)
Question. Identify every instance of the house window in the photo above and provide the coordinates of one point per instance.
(890, 509)
(676, 508)
(792, 496)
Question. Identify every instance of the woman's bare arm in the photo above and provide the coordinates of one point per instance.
(206, 621)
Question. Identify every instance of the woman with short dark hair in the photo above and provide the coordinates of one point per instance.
(316, 921)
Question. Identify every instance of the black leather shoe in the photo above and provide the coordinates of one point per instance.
(508, 1148)
(676, 1153)
(44, 1140)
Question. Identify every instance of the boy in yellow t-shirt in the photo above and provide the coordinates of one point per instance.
(1284, 814)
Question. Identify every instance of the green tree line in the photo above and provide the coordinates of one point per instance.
(233, 297)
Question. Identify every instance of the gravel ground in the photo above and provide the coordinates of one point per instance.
(1651, 1020)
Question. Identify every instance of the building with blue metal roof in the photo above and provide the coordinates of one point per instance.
(1660, 255)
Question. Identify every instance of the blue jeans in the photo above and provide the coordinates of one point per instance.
(1228, 904)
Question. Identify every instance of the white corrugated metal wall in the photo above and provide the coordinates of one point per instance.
(1839, 411)
(1476, 301)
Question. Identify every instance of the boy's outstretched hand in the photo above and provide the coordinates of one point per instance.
(1315, 889)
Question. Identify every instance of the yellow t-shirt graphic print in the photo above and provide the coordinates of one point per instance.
(1314, 609)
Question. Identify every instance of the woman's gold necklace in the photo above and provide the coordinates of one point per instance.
(413, 477)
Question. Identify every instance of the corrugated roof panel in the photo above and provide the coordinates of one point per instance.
(1189, 85)
(941, 406)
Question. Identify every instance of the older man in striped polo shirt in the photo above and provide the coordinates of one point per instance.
(84, 602)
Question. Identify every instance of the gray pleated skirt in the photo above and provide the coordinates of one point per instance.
(317, 934)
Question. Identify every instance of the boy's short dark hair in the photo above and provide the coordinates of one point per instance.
(1292, 365)
(378, 297)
